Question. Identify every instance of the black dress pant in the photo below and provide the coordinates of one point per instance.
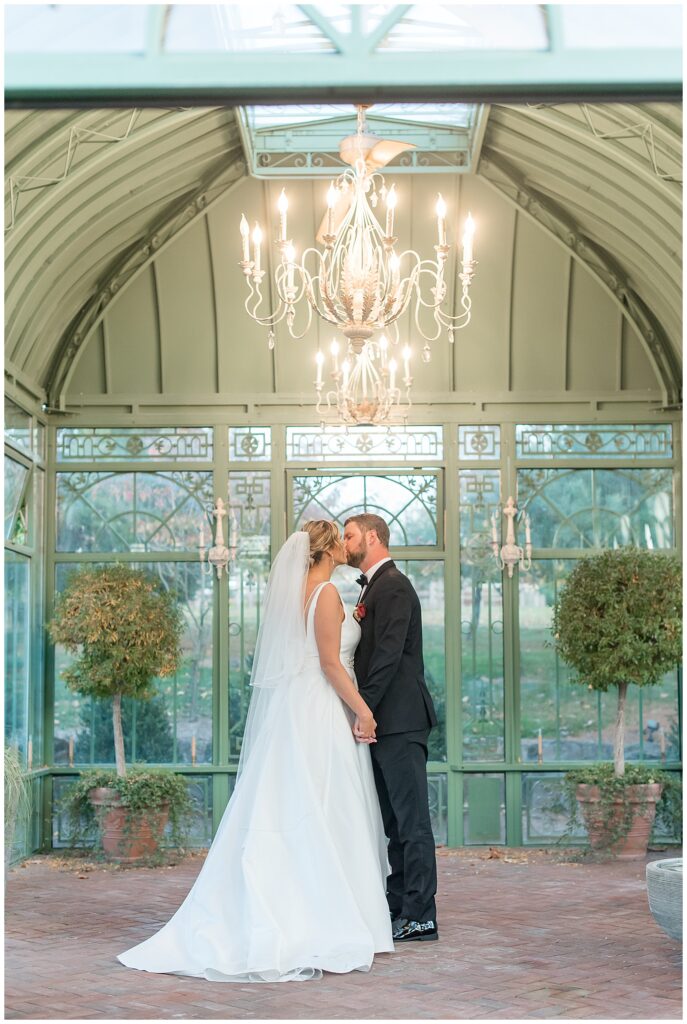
(400, 762)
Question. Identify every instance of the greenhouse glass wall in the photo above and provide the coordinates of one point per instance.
(139, 389)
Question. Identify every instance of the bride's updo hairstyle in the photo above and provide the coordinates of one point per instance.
(324, 535)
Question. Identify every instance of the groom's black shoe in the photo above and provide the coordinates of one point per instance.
(415, 931)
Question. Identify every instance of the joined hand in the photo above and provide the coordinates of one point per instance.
(365, 734)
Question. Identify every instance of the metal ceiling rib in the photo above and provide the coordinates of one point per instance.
(608, 187)
(66, 236)
(74, 243)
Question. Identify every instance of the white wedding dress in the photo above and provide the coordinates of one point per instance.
(294, 882)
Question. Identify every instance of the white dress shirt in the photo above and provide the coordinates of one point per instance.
(371, 571)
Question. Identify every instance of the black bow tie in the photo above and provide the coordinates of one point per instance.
(362, 580)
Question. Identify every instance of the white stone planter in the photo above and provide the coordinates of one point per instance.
(664, 889)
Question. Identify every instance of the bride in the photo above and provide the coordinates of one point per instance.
(294, 882)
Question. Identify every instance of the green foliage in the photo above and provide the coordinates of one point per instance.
(17, 798)
(143, 793)
(618, 618)
(616, 812)
(154, 739)
(123, 627)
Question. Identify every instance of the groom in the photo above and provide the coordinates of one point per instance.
(390, 674)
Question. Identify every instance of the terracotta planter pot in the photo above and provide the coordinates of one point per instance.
(141, 839)
(634, 845)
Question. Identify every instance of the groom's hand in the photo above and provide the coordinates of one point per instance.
(364, 732)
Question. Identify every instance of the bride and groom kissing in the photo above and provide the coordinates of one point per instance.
(324, 855)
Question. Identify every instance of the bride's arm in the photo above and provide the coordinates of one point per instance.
(328, 638)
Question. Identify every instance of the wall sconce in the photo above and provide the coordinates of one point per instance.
(219, 556)
(511, 554)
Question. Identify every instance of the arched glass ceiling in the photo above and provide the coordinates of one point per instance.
(70, 51)
(303, 141)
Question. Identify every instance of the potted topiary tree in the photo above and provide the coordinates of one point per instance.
(617, 623)
(124, 630)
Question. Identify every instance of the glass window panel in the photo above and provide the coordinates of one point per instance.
(250, 444)
(246, 27)
(17, 426)
(600, 508)
(15, 481)
(200, 792)
(479, 443)
(247, 583)
(408, 503)
(437, 791)
(469, 27)
(17, 649)
(186, 697)
(480, 496)
(340, 444)
(428, 581)
(594, 441)
(640, 26)
(249, 498)
(131, 511)
(576, 725)
(75, 28)
(133, 444)
(658, 732)
(459, 115)
(482, 667)
(160, 730)
(546, 809)
(481, 599)
(249, 501)
(484, 809)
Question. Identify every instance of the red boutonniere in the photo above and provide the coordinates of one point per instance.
(359, 612)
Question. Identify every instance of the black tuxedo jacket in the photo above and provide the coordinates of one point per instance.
(388, 660)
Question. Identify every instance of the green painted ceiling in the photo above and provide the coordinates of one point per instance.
(93, 194)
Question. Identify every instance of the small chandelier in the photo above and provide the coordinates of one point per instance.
(365, 387)
(357, 282)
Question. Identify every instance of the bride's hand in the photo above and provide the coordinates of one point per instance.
(364, 728)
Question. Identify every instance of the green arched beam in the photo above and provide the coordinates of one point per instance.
(549, 216)
(125, 269)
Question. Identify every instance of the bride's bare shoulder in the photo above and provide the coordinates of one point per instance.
(329, 602)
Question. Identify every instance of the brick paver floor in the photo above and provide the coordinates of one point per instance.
(523, 935)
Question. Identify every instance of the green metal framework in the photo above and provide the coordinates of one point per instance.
(484, 784)
(351, 57)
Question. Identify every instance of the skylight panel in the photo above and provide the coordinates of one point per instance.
(429, 27)
(643, 26)
(245, 28)
(75, 28)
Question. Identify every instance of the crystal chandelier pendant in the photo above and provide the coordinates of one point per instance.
(360, 285)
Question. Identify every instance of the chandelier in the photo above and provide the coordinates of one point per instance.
(360, 285)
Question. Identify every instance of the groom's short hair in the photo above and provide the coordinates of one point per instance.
(369, 521)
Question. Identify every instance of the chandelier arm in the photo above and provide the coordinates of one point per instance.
(270, 319)
(421, 330)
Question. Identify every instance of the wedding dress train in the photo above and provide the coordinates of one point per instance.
(294, 882)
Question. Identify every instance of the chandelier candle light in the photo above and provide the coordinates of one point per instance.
(360, 285)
